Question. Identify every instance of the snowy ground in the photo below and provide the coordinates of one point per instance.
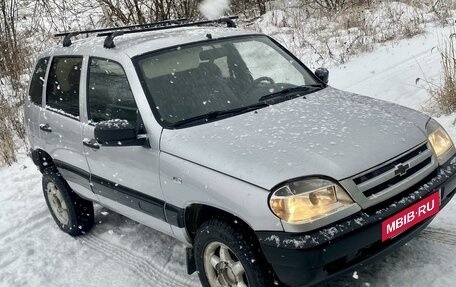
(120, 252)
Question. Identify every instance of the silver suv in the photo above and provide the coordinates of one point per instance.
(223, 139)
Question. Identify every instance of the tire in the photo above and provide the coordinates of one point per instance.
(73, 214)
(229, 255)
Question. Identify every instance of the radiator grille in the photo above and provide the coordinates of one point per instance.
(379, 179)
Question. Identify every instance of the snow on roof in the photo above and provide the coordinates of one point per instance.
(140, 43)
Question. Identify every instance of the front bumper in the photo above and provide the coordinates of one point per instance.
(305, 259)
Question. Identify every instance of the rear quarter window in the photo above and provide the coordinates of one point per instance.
(37, 82)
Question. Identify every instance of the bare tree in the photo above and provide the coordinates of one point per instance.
(141, 11)
(12, 65)
(186, 9)
(248, 8)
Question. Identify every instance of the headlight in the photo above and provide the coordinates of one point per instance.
(307, 200)
(440, 141)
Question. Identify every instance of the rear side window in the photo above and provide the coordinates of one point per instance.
(62, 93)
(109, 93)
(37, 83)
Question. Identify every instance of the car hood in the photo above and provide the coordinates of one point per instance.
(329, 132)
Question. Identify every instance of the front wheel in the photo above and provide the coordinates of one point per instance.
(227, 255)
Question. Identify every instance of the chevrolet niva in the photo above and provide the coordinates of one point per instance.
(223, 139)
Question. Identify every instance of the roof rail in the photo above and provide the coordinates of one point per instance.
(109, 41)
(67, 35)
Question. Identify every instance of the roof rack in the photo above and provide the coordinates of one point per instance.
(111, 33)
(109, 41)
(68, 35)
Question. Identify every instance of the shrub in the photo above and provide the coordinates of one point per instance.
(443, 96)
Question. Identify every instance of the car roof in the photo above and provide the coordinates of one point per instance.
(139, 43)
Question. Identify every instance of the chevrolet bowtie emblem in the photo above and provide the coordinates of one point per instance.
(401, 169)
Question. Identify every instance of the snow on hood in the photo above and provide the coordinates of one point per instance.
(330, 132)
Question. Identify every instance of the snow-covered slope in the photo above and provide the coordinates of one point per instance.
(120, 253)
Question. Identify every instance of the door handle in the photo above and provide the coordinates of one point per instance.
(91, 143)
(45, 128)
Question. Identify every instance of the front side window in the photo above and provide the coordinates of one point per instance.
(109, 95)
(62, 94)
(192, 81)
(37, 82)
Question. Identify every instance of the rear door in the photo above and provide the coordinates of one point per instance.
(60, 127)
(125, 178)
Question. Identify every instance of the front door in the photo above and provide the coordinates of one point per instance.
(125, 178)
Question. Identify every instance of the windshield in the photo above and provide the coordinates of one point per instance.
(189, 82)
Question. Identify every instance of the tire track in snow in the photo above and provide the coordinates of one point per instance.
(439, 235)
(397, 68)
(31, 223)
(147, 270)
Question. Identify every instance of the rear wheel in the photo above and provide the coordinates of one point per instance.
(227, 255)
(73, 214)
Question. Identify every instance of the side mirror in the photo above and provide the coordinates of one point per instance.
(117, 133)
(322, 74)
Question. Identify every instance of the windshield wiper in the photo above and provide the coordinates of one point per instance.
(219, 114)
(293, 92)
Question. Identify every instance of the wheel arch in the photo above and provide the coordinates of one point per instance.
(196, 214)
(42, 159)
